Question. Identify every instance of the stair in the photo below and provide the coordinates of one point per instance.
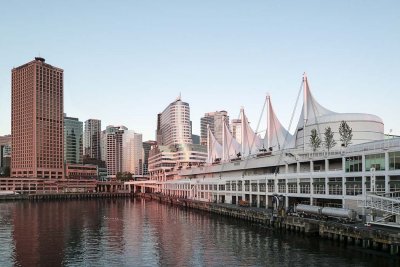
(386, 203)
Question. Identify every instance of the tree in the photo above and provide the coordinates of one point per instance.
(346, 133)
(124, 176)
(329, 142)
(315, 141)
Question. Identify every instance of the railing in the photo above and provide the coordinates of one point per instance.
(385, 144)
(394, 195)
(385, 204)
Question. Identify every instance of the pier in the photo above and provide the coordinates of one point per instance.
(353, 234)
(65, 196)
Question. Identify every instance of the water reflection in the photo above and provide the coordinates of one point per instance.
(129, 232)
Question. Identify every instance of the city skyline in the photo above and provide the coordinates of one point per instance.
(351, 66)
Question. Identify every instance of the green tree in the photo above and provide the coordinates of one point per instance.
(124, 176)
(346, 133)
(329, 142)
(315, 141)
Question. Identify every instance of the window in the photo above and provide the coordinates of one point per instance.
(353, 186)
(292, 187)
(376, 161)
(228, 186)
(271, 186)
(281, 186)
(394, 183)
(354, 164)
(254, 187)
(304, 188)
(262, 187)
(319, 186)
(335, 186)
(247, 185)
(394, 160)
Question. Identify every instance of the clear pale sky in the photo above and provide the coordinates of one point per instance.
(125, 61)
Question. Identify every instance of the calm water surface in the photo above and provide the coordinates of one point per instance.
(128, 232)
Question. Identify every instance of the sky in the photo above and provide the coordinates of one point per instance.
(125, 61)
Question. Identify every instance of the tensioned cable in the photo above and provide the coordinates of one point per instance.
(290, 125)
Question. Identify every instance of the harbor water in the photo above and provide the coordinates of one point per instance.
(139, 232)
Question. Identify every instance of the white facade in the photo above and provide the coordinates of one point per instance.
(132, 152)
(174, 124)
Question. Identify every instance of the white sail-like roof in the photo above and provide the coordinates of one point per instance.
(230, 145)
(213, 147)
(276, 136)
(311, 108)
(251, 142)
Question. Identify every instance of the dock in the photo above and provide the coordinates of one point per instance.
(366, 237)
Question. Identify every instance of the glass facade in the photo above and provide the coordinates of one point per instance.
(73, 137)
(354, 164)
(376, 161)
(394, 160)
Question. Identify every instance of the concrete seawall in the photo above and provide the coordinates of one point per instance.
(355, 234)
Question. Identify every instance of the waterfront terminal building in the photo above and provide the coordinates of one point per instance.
(284, 169)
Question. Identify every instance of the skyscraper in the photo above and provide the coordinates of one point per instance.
(92, 139)
(215, 121)
(37, 121)
(175, 149)
(113, 136)
(132, 152)
(73, 135)
(174, 124)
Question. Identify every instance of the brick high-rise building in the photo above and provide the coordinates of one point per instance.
(37, 121)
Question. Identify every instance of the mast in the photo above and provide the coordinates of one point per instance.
(305, 108)
(268, 122)
(242, 129)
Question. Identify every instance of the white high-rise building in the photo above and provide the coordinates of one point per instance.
(175, 149)
(132, 148)
(174, 124)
